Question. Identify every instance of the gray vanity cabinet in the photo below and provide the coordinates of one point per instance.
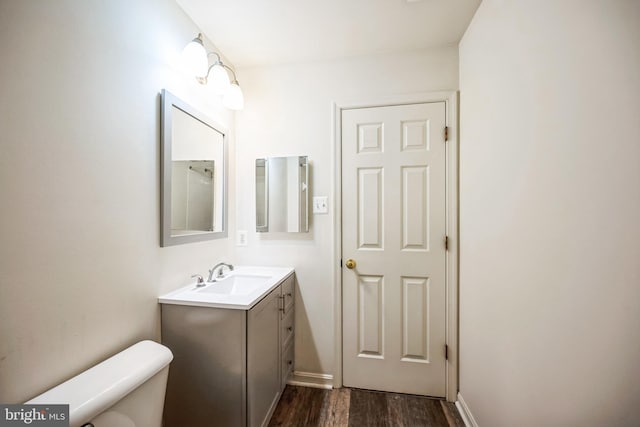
(263, 358)
(230, 366)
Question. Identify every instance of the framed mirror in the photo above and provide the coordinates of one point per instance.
(282, 196)
(193, 183)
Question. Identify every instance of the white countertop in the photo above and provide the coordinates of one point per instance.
(198, 296)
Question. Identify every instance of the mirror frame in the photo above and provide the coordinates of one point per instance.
(166, 239)
(263, 228)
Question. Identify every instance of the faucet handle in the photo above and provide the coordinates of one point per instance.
(200, 281)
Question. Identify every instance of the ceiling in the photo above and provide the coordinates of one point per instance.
(264, 32)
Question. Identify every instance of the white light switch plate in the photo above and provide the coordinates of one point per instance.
(320, 205)
(241, 238)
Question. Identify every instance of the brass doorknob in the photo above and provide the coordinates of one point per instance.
(351, 263)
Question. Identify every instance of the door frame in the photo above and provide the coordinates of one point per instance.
(451, 99)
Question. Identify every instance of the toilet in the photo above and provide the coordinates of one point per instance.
(126, 390)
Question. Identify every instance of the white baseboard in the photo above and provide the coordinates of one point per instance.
(465, 413)
(311, 379)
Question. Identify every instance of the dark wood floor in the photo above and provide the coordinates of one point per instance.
(304, 406)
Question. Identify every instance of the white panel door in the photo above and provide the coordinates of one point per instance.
(393, 227)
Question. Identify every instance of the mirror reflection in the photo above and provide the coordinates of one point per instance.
(193, 174)
(193, 201)
(282, 199)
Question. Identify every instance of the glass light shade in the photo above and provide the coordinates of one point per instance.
(218, 79)
(195, 59)
(233, 98)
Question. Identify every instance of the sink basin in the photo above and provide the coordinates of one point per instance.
(241, 289)
(237, 284)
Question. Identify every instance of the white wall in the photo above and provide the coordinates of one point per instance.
(550, 204)
(288, 111)
(80, 261)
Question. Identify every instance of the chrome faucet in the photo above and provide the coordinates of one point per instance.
(200, 281)
(220, 274)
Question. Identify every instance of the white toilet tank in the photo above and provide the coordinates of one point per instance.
(126, 390)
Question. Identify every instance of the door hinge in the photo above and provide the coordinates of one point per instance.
(446, 352)
(446, 133)
(446, 243)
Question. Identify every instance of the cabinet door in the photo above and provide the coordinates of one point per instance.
(263, 363)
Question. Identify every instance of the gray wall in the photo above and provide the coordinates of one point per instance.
(550, 203)
(80, 261)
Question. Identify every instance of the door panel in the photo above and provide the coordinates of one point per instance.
(415, 204)
(415, 319)
(393, 201)
(370, 316)
(370, 213)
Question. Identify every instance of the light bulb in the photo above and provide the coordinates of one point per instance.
(219, 79)
(194, 57)
(233, 98)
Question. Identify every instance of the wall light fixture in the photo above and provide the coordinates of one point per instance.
(196, 59)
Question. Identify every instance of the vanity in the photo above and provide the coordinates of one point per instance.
(232, 339)
(232, 342)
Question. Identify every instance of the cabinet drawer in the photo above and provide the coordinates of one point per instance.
(287, 363)
(288, 293)
(288, 328)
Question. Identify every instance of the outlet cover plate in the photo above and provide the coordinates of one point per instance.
(320, 205)
(241, 238)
